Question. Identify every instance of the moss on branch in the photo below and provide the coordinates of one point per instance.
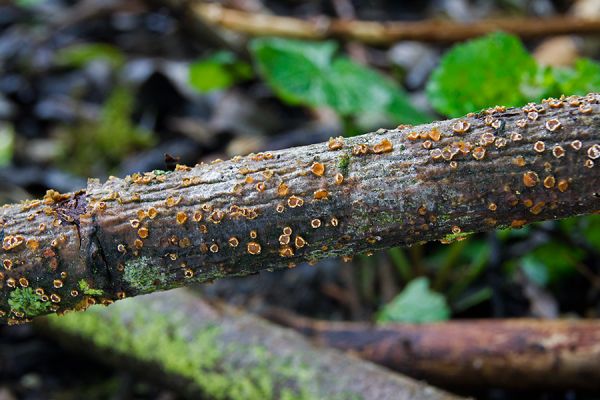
(155, 231)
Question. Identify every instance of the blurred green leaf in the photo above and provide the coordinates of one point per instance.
(497, 69)
(535, 270)
(79, 55)
(481, 73)
(551, 262)
(591, 230)
(582, 79)
(472, 299)
(219, 71)
(7, 142)
(28, 3)
(417, 304)
(309, 73)
(400, 262)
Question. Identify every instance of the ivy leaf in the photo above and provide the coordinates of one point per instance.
(481, 73)
(217, 72)
(417, 304)
(310, 73)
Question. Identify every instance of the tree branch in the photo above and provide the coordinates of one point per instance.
(156, 231)
(205, 351)
(386, 33)
(513, 354)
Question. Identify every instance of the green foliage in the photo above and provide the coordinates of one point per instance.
(79, 55)
(582, 79)
(310, 73)
(481, 73)
(7, 143)
(106, 141)
(417, 304)
(497, 69)
(550, 262)
(26, 301)
(219, 71)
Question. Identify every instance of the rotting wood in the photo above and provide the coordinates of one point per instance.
(212, 352)
(511, 354)
(389, 32)
(160, 230)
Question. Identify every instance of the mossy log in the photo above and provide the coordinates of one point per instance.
(522, 354)
(216, 352)
(160, 230)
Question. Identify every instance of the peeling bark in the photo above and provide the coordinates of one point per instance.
(212, 352)
(512, 354)
(159, 230)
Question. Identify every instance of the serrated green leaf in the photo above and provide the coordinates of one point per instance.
(78, 55)
(481, 73)
(217, 72)
(417, 304)
(309, 73)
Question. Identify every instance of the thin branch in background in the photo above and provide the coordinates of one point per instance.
(387, 33)
(510, 353)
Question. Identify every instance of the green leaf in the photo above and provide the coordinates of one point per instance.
(591, 230)
(309, 73)
(481, 73)
(7, 143)
(584, 78)
(417, 304)
(535, 270)
(79, 55)
(551, 262)
(219, 71)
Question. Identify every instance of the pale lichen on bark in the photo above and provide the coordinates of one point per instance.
(155, 231)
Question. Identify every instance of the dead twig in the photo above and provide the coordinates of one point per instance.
(512, 354)
(386, 33)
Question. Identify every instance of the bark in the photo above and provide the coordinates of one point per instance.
(386, 33)
(512, 354)
(221, 353)
(159, 230)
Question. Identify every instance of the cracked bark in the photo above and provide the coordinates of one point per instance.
(214, 351)
(156, 231)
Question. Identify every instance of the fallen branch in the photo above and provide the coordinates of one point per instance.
(512, 354)
(220, 353)
(386, 33)
(160, 230)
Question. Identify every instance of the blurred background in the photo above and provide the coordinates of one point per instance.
(106, 87)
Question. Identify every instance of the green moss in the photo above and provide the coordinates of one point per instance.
(219, 368)
(26, 301)
(453, 237)
(86, 289)
(142, 275)
(344, 163)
